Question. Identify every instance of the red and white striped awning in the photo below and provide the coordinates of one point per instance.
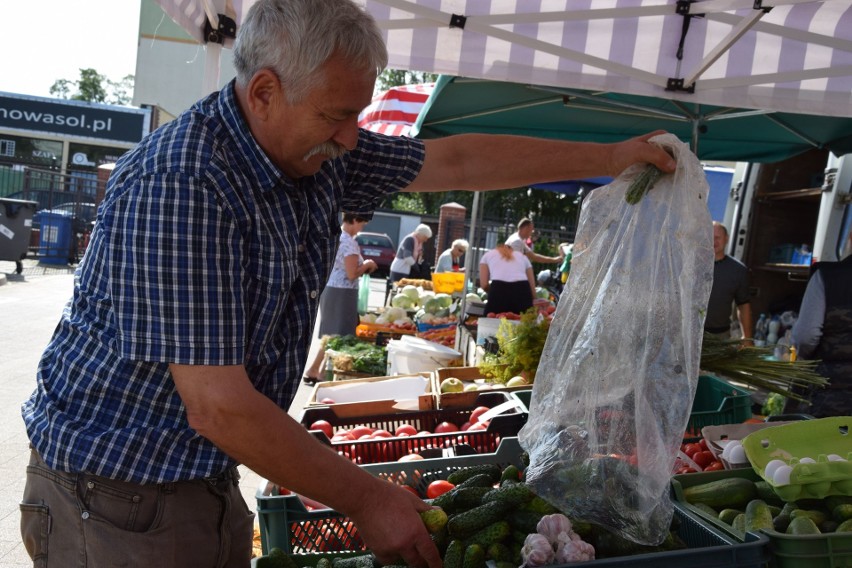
(393, 112)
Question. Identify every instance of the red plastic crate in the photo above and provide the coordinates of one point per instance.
(391, 449)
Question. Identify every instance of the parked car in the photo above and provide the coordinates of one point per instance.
(379, 248)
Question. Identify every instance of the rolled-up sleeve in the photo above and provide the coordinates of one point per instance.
(807, 331)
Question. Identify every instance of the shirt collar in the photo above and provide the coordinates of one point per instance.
(267, 174)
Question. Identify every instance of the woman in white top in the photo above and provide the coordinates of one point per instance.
(507, 276)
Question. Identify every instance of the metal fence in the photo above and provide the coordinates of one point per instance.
(75, 194)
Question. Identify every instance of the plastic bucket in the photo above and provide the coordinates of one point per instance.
(410, 355)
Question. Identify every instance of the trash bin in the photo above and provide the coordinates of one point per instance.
(16, 224)
(55, 236)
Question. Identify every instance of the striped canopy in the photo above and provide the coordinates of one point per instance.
(784, 55)
(394, 111)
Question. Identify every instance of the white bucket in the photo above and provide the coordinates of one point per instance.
(410, 355)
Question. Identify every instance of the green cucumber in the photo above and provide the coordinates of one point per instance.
(758, 516)
(733, 492)
(802, 525)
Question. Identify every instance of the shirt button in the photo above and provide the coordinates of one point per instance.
(85, 515)
(90, 485)
(301, 247)
(313, 293)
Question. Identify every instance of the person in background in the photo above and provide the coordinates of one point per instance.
(521, 241)
(730, 286)
(408, 262)
(507, 276)
(450, 259)
(823, 331)
(185, 339)
(339, 300)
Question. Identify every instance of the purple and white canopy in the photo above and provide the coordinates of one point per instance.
(784, 55)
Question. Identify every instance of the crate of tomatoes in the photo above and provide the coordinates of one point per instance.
(695, 456)
(389, 437)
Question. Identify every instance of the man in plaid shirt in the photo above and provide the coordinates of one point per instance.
(192, 311)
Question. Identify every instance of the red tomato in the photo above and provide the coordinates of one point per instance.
(411, 490)
(406, 429)
(438, 487)
(445, 427)
(691, 449)
(323, 425)
(327, 400)
(686, 469)
(477, 412)
(359, 431)
(715, 466)
(465, 426)
(478, 426)
(703, 459)
(703, 443)
(381, 434)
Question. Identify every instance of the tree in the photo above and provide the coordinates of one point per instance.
(397, 77)
(96, 88)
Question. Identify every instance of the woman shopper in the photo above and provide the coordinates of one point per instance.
(450, 259)
(339, 300)
(409, 255)
(507, 276)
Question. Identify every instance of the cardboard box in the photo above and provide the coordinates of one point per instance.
(468, 375)
(717, 437)
(376, 395)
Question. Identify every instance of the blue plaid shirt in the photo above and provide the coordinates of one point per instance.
(204, 253)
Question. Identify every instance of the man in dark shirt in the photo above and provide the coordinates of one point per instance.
(730, 285)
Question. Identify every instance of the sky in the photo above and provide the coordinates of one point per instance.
(47, 40)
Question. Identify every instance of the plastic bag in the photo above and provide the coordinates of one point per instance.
(619, 370)
(363, 294)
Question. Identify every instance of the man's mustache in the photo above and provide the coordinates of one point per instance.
(330, 149)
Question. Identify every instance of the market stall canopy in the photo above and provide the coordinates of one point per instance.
(781, 55)
(393, 112)
(460, 105)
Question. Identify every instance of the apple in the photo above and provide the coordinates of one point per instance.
(517, 381)
(451, 384)
(323, 425)
(470, 387)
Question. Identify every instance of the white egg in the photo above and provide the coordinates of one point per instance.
(737, 455)
(782, 475)
(835, 458)
(770, 468)
(807, 460)
(726, 451)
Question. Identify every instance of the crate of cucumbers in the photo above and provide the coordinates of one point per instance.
(485, 512)
(808, 533)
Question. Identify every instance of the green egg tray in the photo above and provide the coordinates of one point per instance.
(816, 439)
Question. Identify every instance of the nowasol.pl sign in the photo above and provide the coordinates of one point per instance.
(74, 118)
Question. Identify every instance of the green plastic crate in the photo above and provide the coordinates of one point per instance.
(708, 548)
(717, 402)
(285, 523)
(831, 550)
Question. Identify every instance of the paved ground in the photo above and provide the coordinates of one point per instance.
(30, 304)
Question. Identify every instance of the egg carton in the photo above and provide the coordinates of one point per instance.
(720, 439)
(811, 459)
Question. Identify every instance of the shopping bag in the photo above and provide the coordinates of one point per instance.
(363, 294)
(619, 369)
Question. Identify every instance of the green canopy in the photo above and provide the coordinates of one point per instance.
(459, 105)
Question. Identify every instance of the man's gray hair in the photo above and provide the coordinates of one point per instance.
(295, 38)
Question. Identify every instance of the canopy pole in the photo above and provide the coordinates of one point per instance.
(693, 145)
